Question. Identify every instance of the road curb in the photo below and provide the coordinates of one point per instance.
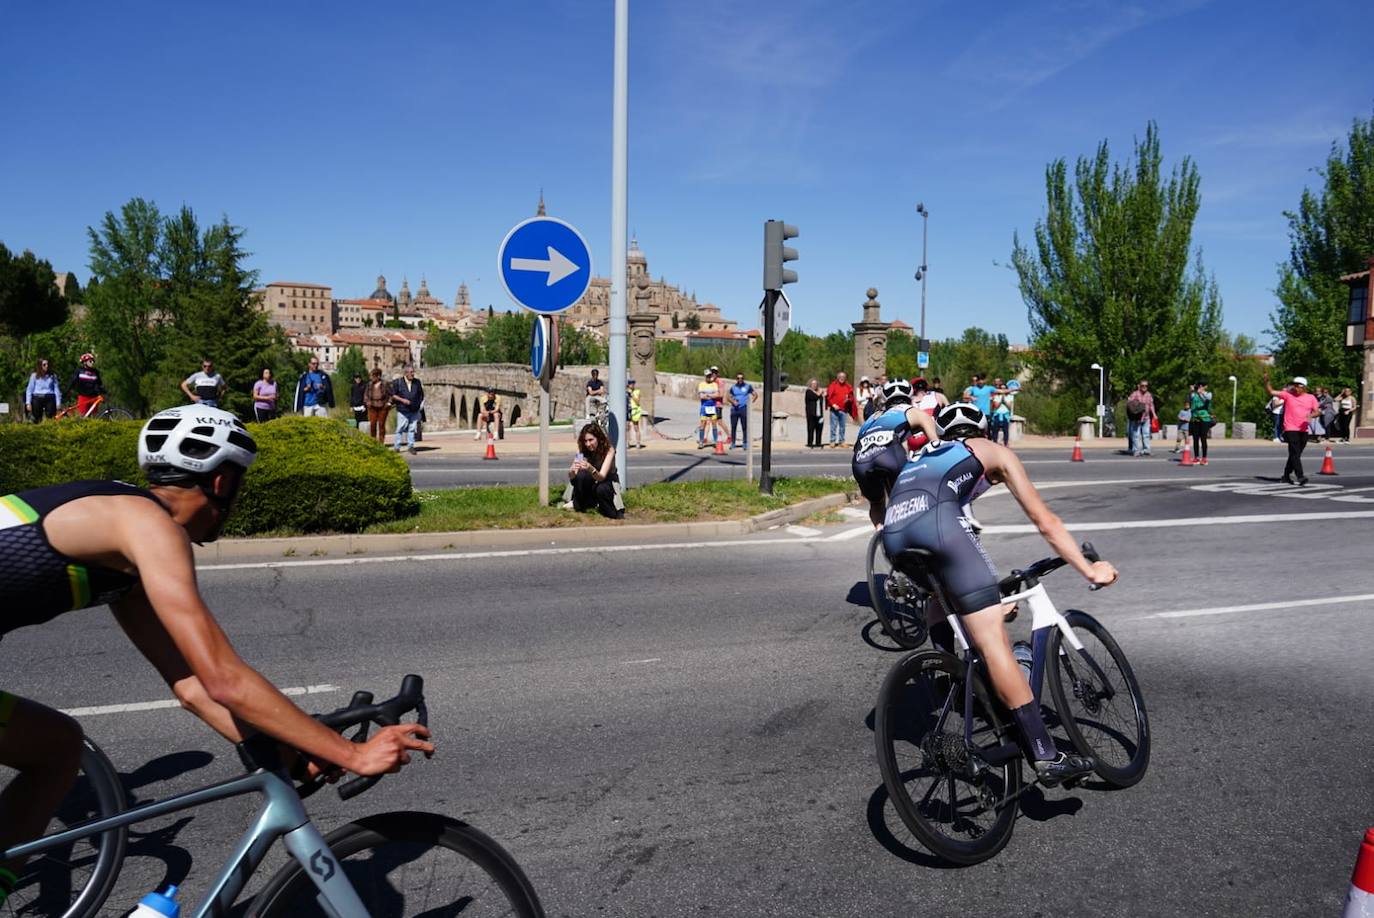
(486, 539)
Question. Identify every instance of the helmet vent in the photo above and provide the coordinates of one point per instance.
(198, 449)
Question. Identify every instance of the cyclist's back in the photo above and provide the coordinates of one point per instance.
(880, 447)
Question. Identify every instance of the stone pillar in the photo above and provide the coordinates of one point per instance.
(643, 341)
(1365, 418)
(870, 342)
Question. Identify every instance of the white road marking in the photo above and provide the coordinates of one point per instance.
(650, 660)
(854, 513)
(804, 531)
(1021, 528)
(848, 534)
(173, 703)
(1264, 606)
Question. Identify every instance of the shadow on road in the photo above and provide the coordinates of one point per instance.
(874, 636)
(877, 824)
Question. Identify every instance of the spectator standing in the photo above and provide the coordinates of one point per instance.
(1140, 413)
(265, 396)
(42, 396)
(980, 393)
(1276, 405)
(314, 391)
(741, 395)
(206, 387)
(377, 398)
(593, 474)
(357, 401)
(489, 414)
(1345, 414)
(1184, 418)
(1327, 406)
(999, 422)
(596, 391)
(634, 410)
(839, 398)
(408, 394)
(1299, 407)
(937, 387)
(815, 413)
(708, 395)
(879, 403)
(1200, 420)
(87, 385)
(863, 396)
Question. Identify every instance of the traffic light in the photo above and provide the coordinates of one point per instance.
(779, 381)
(775, 254)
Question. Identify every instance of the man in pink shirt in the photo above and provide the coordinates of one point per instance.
(1299, 407)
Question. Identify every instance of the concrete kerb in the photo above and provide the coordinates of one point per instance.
(336, 546)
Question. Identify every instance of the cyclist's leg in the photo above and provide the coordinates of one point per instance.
(44, 746)
(989, 635)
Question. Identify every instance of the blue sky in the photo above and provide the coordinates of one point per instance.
(351, 139)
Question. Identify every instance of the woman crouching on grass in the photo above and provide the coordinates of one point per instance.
(593, 474)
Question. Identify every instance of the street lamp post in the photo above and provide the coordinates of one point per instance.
(1101, 405)
(921, 271)
(1233, 406)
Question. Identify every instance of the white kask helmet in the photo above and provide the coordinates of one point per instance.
(191, 442)
(961, 419)
(896, 391)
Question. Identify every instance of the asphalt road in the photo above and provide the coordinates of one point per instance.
(686, 731)
(449, 470)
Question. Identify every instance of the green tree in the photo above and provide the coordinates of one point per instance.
(29, 298)
(694, 322)
(1109, 278)
(1331, 234)
(577, 347)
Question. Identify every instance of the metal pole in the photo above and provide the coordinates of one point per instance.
(925, 226)
(770, 299)
(1101, 399)
(748, 442)
(620, 219)
(1234, 384)
(543, 437)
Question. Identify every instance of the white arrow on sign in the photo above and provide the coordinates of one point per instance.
(558, 266)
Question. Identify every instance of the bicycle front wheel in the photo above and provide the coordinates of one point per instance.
(116, 414)
(957, 805)
(895, 601)
(1098, 700)
(411, 864)
(74, 881)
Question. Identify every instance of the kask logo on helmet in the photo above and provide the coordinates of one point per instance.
(222, 422)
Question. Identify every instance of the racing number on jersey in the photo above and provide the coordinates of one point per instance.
(874, 442)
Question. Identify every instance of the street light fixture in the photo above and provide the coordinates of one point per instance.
(923, 270)
(1101, 405)
(1233, 406)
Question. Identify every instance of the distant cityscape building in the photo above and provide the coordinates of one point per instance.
(298, 306)
(666, 301)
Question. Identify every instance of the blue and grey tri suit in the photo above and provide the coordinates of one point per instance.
(880, 452)
(925, 511)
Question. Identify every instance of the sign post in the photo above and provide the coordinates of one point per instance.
(545, 266)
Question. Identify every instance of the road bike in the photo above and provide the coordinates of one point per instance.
(389, 864)
(947, 747)
(97, 409)
(896, 598)
(598, 411)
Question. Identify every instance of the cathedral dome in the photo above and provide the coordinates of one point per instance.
(381, 293)
(635, 256)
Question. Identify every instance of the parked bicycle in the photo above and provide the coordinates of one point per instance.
(947, 747)
(99, 409)
(398, 863)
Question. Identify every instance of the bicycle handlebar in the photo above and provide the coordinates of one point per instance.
(362, 713)
(1012, 583)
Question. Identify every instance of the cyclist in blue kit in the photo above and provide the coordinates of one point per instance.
(925, 510)
(880, 446)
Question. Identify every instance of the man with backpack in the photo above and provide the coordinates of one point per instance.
(1140, 415)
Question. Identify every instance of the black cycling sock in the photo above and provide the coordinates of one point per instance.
(1033, 730)
(942, 636)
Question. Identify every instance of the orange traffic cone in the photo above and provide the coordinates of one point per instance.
(1187, 457)
(491, 447)
(720, 445)
(1328, 466)
(1359, 901)
(1077, 452)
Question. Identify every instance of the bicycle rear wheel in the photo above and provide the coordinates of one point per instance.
(74, 881)
(116, 414)
(895, 600)
(1101, 707)
(411, 864)
(956, 805)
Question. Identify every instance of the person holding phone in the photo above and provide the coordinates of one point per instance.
(593, 475)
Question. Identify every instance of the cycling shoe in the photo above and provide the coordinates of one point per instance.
(1065, 767)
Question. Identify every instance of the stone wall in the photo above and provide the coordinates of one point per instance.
(453, 393)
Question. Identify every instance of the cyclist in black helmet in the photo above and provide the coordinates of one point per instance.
(926, 510)
(91, 543)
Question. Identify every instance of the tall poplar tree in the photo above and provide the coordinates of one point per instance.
(1111, 277)
(1331, 234)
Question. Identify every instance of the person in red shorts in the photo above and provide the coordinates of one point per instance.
(86, 384)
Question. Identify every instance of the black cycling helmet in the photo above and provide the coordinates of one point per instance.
(897, 392)
(961, 420)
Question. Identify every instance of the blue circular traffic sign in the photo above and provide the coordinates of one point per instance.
(545, 264)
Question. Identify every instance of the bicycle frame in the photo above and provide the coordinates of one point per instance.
(282, 816)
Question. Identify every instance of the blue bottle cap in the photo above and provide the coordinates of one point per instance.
(163, 903)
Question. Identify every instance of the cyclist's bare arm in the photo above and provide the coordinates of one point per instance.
(232, 690)
(917, 419)
(1002, 466)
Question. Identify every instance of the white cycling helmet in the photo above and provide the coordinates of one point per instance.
(896, 391)
(191, 442)
(961, 419)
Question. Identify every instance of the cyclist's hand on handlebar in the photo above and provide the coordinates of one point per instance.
(390, 748)
(1102, 574)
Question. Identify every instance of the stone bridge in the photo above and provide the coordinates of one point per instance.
(453, 394)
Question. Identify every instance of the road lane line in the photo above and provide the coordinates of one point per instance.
(803, 531)
(1264, 606)
(322, 689)
(650, 660)
(851, 534)
(1022, 528)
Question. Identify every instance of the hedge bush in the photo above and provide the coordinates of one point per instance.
(312, 474)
